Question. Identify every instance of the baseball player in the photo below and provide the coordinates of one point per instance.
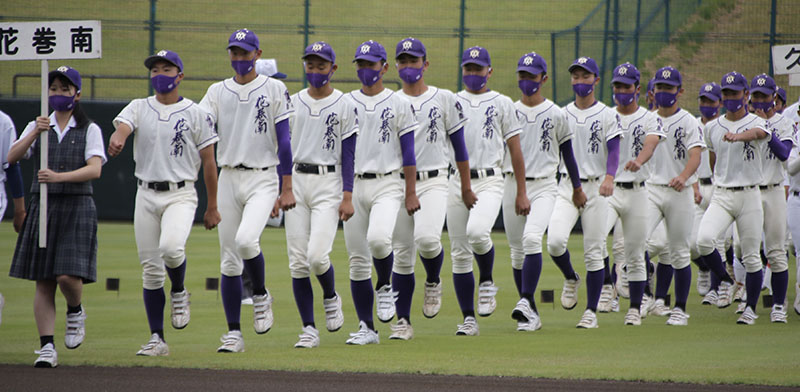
(492, 121)
(252, 115)
(597, 137)
(173, 136)
(763, 98)
(780, 101)
(441, 122)
(324, 132)
(642, 134)
(544, 139)
(385, 145)
(11, 174)
(734, 142)
(793, 211)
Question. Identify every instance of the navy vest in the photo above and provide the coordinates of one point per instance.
(63, 157)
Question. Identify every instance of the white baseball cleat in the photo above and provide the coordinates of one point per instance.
(433, 299)
(725, 294)
(678, 317)
(748, 317)
(154, 348)
(778, 314)
(232, 342)
(262, 313)
(527, 318)
(633, 317)
(740, 294)
(48, 357)
(589, 320)
(385, 301)
(703, 282)
(710, 298)
(622, 286)
(486, 298)
(76, 329)
(334, 318)
(647, 305)
(741, 307)
(402, 330)
(659, 308)
(615, 304)
(179, 302)
(364, 335)
(309, 338)
(604, 305)
(569, 293)
(469, 328)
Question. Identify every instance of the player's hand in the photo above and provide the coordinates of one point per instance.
(633, 166)
(275, 209)
(211, 218)
(346, 210)
(49, 176)
(578, 197)
(286, 200)
(698, 197)
(731, 137)
(115, 144)
(523, 205)
(19, 219)
(607, 187)
(469, 198)
(678, 183)
(412, 204)
(42, 124)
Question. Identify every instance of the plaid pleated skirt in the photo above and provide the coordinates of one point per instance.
(71, 240)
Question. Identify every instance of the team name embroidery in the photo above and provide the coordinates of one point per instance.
(261, 114)
(749, 151)
(178, 140)
(384, 132)
(594, 138)
(680, 147)
(638, 140)
(488, 125)
(547, 128)
(460, 111)
(329, 138)
(288, 99)
(210, 121)
(434, 116)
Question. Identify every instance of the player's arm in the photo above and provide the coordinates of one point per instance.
(568, 157)
(612, 163)
(650, 144)
(346, 209)
(89, 172)
(211, 218)
(698, 197)
(21, 147)
(410, 171)
(462, 162)
(679, 182)
(780, 148)
(522, 204)
(286, 199)
(17, 192)
(117, 141)
(749, 135)
(712, 160)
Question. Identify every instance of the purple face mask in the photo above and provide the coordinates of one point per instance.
(625, 99)
(665, 99)
(317, 79)
(243, 67)
(764, 106)
(528, 87)
(709, 111)
(733, 105)
(368, 77)
(61, 103)
(583, 89)
(474, 82)
(163, 83)
(410, 75)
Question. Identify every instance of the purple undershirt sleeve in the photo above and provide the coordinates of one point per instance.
(348, 162)
(613, 156)
(14, 179)
(407, 146)
(571, 164)
(459, 146)
(284, 148)
(781, 148)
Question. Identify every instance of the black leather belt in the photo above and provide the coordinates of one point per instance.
(766, 187)
(739, 188)
(537, 178)
(480, 173)
(243, 167)
(592, 179)
(705, 181)
(314, 169)
(424, 174)
(629, 185)
(796, 193)
(372, 176)
(161, 186)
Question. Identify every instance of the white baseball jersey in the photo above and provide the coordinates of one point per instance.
(439, 115)
(592, 128)
(544, 128)
(492, 120)
(94, 137)
(635, 128)
(704, 170)
(773, 168)
(8, 135)
(791, 112)
(737, 163)
(246, 115)
(683, 132)
(320, 125)
(167, 139)
(382, 118)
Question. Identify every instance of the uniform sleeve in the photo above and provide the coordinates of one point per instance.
(786, 130)
(12, 137)
(562, 130)
(129, 115)
(511, 124)
(406, 120)
(204, 134)
(707, 129)
(282, 107)
(28, 129)
(94, 144)
(694, 133)
(454, 113)
(209, 102)
(612, 125)
(350, 120)
(653, 127)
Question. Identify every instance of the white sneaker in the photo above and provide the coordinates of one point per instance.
(364, 335)
(748, 317)
(527, 318)
(309, 338)
(606, 296)
(154, 348)
(2, 303)
(678, 317)
(703, 282)
(523, 326)
(710, 298)
(402, 330)
(262, 313)
(622, 286)
(647, 305)
(385, 301)
(633, 317)
(247, 301)
(469, 328)
(232, 342)
(659, 308)
(334, 318)
(740, 295)
(589, 320)
(48, 357)
(797, 299)
(433, 299)
(778, 314)
(486, 301)
(741, 307)
(569, 293)
(615, 304)
(180, 309)
(725, 294)
(76, 330)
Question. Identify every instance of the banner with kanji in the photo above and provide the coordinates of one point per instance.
(79, 39)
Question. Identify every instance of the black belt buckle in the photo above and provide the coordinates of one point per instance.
(243, 167)
(624, 185)
(474, 173)
(162, 186)
(372, 176)
(314, 169)
(420, 175)
(706, 181)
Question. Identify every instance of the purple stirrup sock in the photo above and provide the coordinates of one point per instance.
(176, 277)
(328, 283)
(531, 270)
(485, 265)
(663, 280)
(780, 284)
(304, 297)
(231, 288)
(563, 264)
(637, 291)
(517, 280)
(255, 268)
(154, 301)
(714, 263)
(383, 270)
(363, 299)
(433, 267)
(594, 285)
(465, 292)
(683, 281)
(753, 283)
(404, 286)
(606, 271)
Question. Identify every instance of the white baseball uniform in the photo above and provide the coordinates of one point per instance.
(773, 195)
(793, 202)
(492, 121)
(319, 126)
(8, 135)
(377, 189)
(592, 128)
(246, 115)
(167, 140)
(439, 115)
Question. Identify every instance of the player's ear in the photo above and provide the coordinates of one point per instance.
(78, 95)
(180, 76)
(596, 80)
(490, 72)
(425, 65)
(545, 78)
(258, 54)
(334, 67)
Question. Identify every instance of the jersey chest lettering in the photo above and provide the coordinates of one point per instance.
(749, 152)
(261, 114)
(384, 132)
(328, 140)
(594, 137)
(638, 140)
(679, 151)
(432, 133)
(178, 140)
(488, 124)
(546, 137)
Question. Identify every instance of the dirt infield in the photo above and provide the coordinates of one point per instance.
(87, 378)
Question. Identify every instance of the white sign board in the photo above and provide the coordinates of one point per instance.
(786, 59)
(74, 39)
(794, 79)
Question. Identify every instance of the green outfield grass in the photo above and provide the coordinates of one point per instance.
(712, 349)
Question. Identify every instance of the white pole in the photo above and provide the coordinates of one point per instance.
(43, 148)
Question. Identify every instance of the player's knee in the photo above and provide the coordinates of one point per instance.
(153, 277)
(429, 246)
(247, 247)
(594, 264)
(231, 267)
(480, 241)
(403, 267)
(532, 244)
(379, 246)
(777, 265)
(556, 245)
(360, 269)
(705, 244)
(462, 265)
(752, 263)
(637, 272)
(173, 253)
(319, 265)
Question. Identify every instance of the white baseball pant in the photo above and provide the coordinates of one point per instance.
(743, 207)
(667, 204)
(470, 230)
(793, 219)
(773, 202)
(629, 219)
(524, 234)
(423, 230)
(593, 221)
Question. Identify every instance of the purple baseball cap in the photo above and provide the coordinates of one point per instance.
(70, 73)
(734, 81)
(476, 55)
(370, 51)
(164, 55)
(410, 46)
(244, 39)
(532, 63)
(626, 73)
(322, 50)
(764, 84)
(586, 63)
(668, 75)
(711, 91)
(651, 85)
(782, 94)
